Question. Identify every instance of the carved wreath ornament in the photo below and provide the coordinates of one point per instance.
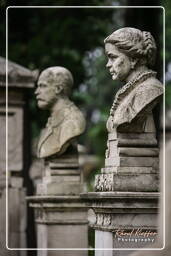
(104, 182)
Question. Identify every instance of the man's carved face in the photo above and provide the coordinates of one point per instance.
(119, 64)
(45, 92)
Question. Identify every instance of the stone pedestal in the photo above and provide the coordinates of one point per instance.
(126, 199)
(123, 220)
(131, 163)
(20, 80)
(61, 224)
(61, 176)
(60, 213)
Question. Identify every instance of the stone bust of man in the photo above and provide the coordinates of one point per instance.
(66, 121)
(131, 54)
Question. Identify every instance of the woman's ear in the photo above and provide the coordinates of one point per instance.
(58, 88)
(133, 63)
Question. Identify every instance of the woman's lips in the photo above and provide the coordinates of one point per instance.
(112, 72)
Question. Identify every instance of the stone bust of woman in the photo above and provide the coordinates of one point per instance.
(131, 54)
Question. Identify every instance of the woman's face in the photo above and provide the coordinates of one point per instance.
(119, 64)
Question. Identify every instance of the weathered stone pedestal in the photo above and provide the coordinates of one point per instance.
(20, 80)
(131, 163)
(60, 213)
(126, 199)
(123, 220)
(61, 224)
(62, 175)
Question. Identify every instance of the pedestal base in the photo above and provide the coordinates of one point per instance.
(16, 217)
(61, 223)
(123, 219)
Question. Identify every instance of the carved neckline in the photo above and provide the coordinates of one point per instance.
(128, 87)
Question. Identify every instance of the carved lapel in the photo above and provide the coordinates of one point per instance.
(56, 121)
(44, 135)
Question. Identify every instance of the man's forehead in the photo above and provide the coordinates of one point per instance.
(42, 81)
(46, 77)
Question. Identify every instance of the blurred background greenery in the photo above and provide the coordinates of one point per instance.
(73, 37)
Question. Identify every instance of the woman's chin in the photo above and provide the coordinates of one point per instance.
(114, 77)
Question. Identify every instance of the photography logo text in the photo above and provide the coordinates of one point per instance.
(135, 235)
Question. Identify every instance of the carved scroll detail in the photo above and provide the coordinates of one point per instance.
(103, 219)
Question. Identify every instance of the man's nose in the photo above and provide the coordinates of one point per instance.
(37, 91)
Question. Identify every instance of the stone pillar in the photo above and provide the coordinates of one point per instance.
(125, 201)
(20, 80)
(60, 213)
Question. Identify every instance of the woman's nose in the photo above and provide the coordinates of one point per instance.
(108, 65)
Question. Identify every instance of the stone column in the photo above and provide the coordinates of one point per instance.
(20, 80)
(125, 201)
(60, 213)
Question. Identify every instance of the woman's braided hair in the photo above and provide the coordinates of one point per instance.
(134, 43)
